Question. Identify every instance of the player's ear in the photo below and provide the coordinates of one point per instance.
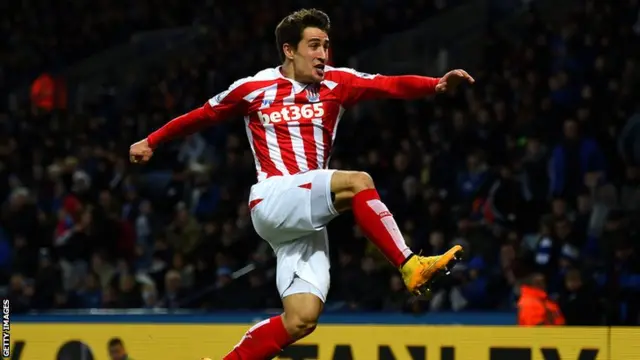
(288, 51)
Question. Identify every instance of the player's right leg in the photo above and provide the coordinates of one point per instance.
(356, 191)
(290, 213)
(266, 339)
(302, 278)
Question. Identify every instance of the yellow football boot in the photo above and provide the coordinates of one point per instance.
(419, 272)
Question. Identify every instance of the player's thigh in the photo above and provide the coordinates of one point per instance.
(289, 207)
(306, 259)
(302, 303)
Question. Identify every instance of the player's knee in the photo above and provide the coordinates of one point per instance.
(346, 184)
(301, 322)
(360, 180)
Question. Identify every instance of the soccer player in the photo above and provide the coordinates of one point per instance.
(291, 114)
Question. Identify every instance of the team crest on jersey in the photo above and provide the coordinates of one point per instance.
(313, 95)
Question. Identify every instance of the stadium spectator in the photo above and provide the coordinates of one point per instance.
(535, 307)
(89, 294)
(578, 302)
(397, 299)
(474, 287)
(624, 280)
(575, 163)
(20, 293)
(174, 289)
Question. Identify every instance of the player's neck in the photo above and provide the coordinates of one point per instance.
(289, 72)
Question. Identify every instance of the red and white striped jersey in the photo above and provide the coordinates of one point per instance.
(292, 126)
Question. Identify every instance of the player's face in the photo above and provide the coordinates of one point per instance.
(311, 56)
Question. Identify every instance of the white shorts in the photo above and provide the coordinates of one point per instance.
(291, 213)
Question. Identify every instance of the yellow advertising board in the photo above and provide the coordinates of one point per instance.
(624, 343)
(51, 341)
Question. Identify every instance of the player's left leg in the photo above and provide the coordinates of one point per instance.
(355, 191)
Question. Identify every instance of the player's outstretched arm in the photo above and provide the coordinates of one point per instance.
(358, 86)
(218, 108)
(182, 126)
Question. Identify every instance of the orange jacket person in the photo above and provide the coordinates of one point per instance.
(534, 307)
(43, 92)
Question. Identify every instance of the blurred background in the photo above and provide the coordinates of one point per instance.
(534, 169)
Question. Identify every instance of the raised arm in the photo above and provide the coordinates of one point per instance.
(219, 108)
(356, 86)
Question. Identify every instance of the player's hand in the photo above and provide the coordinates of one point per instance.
(452, 79)
(140, 152)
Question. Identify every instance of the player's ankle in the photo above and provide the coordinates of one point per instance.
(407, 260)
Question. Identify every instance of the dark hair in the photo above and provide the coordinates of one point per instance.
(290, 29)
(533, 279)
(115, 341)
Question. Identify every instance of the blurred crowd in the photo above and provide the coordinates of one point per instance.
(49, 35)
(527, 169)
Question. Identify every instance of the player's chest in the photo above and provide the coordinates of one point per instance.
(305, 106)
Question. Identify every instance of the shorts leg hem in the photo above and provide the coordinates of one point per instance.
(332, 208)
(301, 286)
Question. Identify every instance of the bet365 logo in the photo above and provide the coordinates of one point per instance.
(292, 113)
